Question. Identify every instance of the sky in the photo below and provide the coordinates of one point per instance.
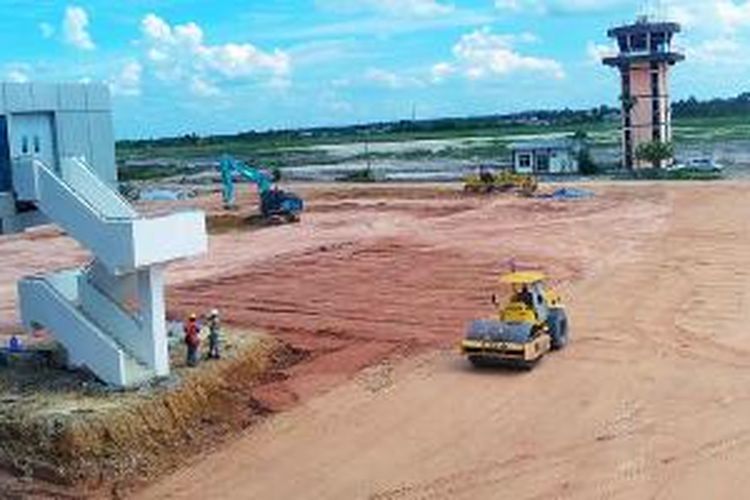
(189, 66)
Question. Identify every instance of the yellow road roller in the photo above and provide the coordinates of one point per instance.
(533, 323)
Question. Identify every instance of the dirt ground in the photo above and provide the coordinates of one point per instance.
(376, 285)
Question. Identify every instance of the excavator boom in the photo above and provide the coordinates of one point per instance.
(274, 202)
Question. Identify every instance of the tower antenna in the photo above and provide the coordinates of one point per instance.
(652, 10)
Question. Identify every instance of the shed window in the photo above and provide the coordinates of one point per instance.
(542, 162)
(524, 160)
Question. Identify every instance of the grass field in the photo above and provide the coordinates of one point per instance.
(468, 144)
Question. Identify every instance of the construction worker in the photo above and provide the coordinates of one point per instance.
(214, 330)
(14, 345)
(192, 340)
(526, 297)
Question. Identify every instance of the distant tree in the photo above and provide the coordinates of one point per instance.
(580, 135)
(655, 152)
(586, 164)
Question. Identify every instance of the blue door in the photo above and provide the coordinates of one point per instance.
(6, 180)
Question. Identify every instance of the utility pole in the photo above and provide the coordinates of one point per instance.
(367, 152)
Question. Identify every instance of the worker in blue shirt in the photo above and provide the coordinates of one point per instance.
(14, 345)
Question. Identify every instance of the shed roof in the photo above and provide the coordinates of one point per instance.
(559, 143)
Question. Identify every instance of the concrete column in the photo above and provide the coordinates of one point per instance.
(153, 315)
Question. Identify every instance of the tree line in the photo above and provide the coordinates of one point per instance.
(687, 108)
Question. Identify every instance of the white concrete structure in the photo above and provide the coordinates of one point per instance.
(551, 156)
(59, 162)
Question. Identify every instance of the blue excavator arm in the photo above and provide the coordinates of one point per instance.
(273, 201)
(229, 167)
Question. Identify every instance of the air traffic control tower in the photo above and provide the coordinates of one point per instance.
(644, 60)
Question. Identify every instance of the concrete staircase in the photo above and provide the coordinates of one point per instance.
(110, 315)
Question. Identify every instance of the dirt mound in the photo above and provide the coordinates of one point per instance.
(79, 434)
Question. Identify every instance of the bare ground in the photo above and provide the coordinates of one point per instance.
(376, 286)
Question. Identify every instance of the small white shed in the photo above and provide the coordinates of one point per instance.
(547, 156)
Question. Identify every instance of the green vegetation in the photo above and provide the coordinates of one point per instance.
(475, 139)
(152, 172)
(655, 152)
(659, 174)
(713, 108)
(364, 175)
(586, 163)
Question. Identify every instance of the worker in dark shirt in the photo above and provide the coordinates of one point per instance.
(525, 296)
(214, 330)
(192, 340)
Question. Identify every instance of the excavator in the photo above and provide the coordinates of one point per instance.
(275, 204)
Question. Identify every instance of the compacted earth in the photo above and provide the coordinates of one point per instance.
(373, 290)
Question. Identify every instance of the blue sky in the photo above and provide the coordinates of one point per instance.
(224, 66)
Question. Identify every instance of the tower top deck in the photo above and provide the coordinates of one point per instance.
(645, 25)
(645, 40)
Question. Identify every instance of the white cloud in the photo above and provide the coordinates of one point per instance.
(180, 53)
(733, 15)
(47, 30)
(696, 14)
(128, 81)
(596, 52)
(391, 80)
(441, 71)
(16, 76)
(396, 8)
(559, 6)
(482, 54)
(201, 87)
(75, 28)
(723, 50)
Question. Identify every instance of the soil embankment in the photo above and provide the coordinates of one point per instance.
(66, 429)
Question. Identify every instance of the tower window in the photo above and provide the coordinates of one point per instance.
(639, 42)
(659, 42)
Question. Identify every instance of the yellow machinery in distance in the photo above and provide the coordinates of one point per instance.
(486, 182)
(533, 323)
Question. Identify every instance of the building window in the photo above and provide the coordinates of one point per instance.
(24, 145)
(542, 162)
(37, 145)
(659, 42)
(524, 160)
(622, 42)
(639, 43)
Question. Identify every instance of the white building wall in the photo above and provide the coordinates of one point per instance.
(560, 161)
(564, 162)
(81, 118)
(18, 98)
(102, 138)
(44, 96)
